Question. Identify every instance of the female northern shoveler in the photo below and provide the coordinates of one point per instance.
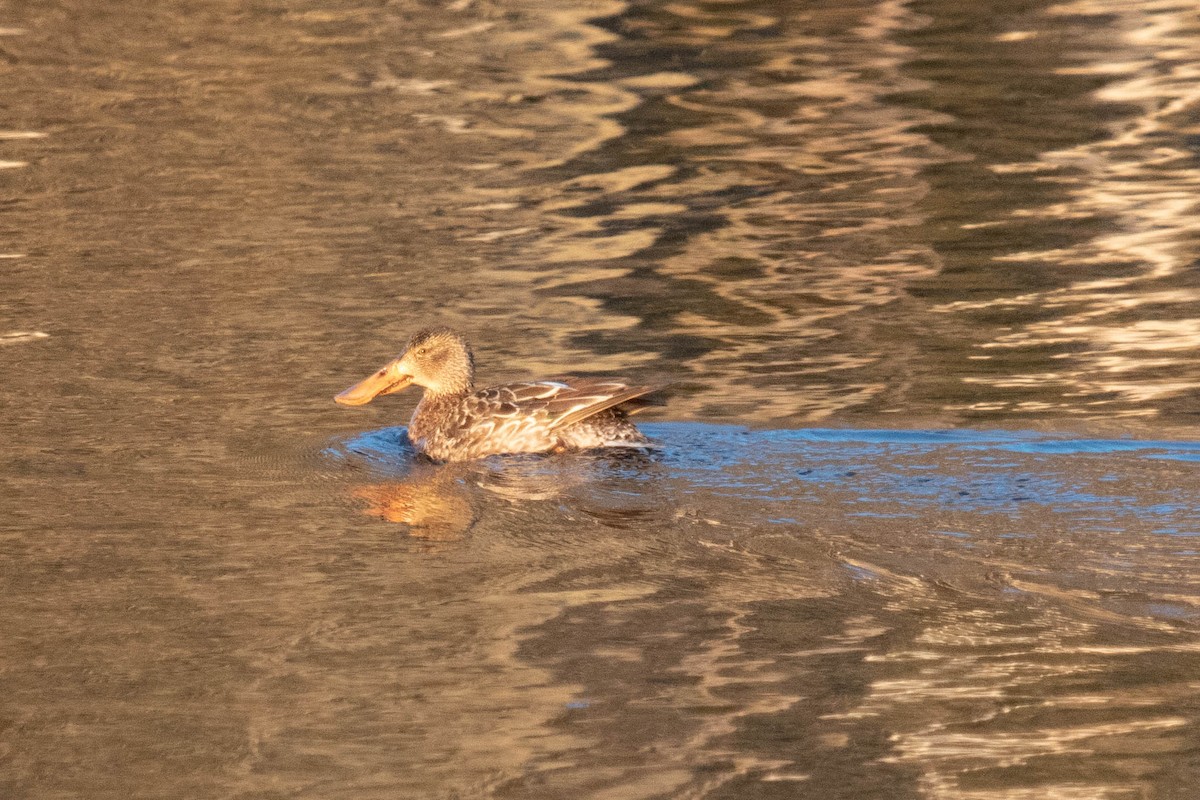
(455, 422)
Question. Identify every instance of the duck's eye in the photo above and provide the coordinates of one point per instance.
(422, 351)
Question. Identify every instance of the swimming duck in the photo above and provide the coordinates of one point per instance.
(455, 421)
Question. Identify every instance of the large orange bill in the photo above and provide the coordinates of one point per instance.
(385, 381)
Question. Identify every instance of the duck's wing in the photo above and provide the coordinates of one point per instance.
(560, 402)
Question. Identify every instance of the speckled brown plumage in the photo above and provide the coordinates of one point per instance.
(455, 422)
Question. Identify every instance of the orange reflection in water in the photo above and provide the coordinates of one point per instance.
(433, 503)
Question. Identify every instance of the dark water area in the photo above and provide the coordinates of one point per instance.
(923, 518)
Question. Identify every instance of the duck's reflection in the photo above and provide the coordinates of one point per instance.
(443, 502)
(433, 502)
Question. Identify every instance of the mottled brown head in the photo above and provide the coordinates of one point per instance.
(437, 359)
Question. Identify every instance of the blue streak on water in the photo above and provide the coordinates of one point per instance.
(1187, 456)
(1188, 450)
(1182, 533)
(886, 473)
(1003, 440)
(383, 449)
(881, 515)
(1171, 610)
(859, 573)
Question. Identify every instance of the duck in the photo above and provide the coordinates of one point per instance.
(454, 421)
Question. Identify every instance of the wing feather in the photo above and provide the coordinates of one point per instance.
(556, 403)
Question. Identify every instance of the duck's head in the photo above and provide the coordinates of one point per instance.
(437, 359)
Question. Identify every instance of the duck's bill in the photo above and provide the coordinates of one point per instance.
(385, 381)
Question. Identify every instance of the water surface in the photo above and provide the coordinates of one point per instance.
(923, 522)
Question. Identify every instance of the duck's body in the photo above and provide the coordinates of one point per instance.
(455, 422)
(534, 417)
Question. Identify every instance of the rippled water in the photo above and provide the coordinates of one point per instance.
(923, 521)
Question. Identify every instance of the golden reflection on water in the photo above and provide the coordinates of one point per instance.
(756, 231)
(991, 668)
(1126, 340)
(778, 210)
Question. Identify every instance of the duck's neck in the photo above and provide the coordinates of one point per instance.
(445, 397)
(438, 410)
